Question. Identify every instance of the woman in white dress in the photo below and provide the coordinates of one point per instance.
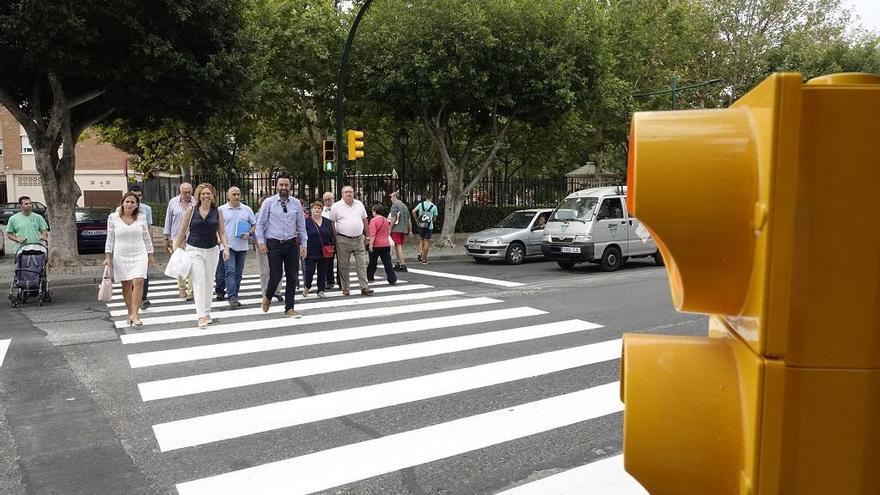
(128, 248)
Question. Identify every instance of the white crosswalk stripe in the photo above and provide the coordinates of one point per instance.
(232, 424)
(252, 326)
(188, 306)
(320, 470)
(208, 382)
(601, 477)
(180, 355)
(249, 284)
(400, 326)
(279, 308)
(246, 291)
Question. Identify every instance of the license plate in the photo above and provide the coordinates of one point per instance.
(473, 245)
(571, 250)
(94, 233)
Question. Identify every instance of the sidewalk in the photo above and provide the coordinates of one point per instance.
(91, 265)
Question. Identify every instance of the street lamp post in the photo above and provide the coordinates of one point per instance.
(403, 140)
(341, 84)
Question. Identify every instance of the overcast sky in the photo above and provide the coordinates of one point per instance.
(868, 11)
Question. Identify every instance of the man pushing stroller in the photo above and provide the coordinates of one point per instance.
(26, 226)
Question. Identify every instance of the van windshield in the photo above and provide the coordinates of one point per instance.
(574, 209)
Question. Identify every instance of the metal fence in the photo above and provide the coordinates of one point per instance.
(376, 188)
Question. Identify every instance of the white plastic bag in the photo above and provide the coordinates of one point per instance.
(105, 288)
(179, 265)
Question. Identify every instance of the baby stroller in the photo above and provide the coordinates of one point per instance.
(30, 279)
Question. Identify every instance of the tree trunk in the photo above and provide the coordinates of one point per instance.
(61, 192)
(455, 196)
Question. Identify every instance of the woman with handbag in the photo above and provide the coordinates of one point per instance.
(319, 251)
(203, 230)
(128, 249)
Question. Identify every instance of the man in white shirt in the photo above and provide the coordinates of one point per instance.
(350, 221)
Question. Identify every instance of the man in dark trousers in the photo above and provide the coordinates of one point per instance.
(280, 224)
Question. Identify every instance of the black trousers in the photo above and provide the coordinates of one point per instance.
(329, 275)
(283, 255)
(385, 254)
(322, 265)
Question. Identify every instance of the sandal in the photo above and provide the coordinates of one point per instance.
(203, 323)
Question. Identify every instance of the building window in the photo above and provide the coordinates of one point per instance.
(26, 145)
(1, 147)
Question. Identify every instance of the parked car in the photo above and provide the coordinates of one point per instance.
(9, 209)
(91, 229)
(514, 239)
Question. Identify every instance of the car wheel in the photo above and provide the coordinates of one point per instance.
(568, 265)
(516, 253)
(481, 260)
(611, 259)
(658, 258)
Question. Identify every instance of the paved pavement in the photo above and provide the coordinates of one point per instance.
(461, 379)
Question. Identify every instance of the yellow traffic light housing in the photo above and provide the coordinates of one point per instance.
(747, 206)
(355, 144)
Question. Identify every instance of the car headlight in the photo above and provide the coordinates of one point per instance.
(547, 238)
(494, 240)
(583, 238)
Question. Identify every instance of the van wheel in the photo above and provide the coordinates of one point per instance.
(658, 258)
(568, 265)
(516, 253)
(611, 259)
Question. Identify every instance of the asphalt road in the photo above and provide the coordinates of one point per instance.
(443, 386)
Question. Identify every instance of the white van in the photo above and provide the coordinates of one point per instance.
(593, 225)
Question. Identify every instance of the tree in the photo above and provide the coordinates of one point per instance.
(466, 70)
(69, 64)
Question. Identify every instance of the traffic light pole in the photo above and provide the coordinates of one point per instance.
(341, 85)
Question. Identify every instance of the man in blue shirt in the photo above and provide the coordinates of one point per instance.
(147, 210)
(229, 273)
(280, 226)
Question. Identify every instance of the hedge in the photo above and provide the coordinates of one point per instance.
(473, 218)
(158, 213)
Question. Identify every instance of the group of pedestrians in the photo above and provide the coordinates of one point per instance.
(284, 231)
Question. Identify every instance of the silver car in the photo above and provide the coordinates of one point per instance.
(514, 239)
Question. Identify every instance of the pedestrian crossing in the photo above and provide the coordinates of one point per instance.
(398, 327)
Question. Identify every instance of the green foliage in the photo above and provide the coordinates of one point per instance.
(158, 212)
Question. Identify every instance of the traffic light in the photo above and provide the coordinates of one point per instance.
(766, 215)
(329, 155)
(355, 144)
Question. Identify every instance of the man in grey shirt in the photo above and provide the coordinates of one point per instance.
(401, 227)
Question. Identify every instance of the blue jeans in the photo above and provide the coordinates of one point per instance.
(229, 273)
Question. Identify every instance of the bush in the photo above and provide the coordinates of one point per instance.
(158, 213)
(474, 218)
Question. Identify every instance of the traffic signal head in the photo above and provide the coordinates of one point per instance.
(329, 155)
(355, 144)
(329, 151)
(745, 205)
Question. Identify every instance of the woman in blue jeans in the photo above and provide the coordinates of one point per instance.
(320, 232)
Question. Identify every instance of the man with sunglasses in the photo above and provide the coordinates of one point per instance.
(280, 224)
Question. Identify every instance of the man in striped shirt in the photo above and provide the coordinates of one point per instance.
(173, 220)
